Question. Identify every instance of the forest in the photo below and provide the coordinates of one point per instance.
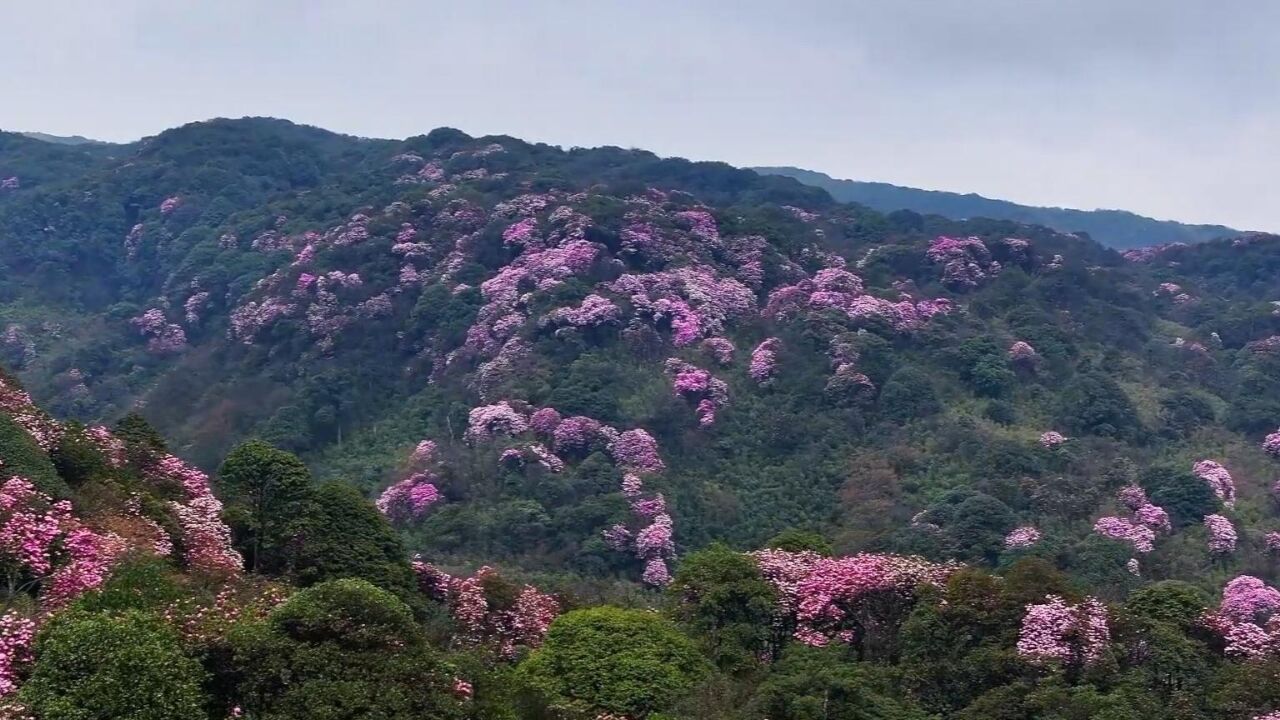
(302, 425)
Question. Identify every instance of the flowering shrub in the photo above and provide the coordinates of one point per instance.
(489, 421)
(697, 385)
(1246, 618)
(1021, 538)
(205, 539)
(1271, 444)
(1057, 632)
(1052, 439)
(163, 336)
(636, 451)
(1022, 352)
(482, 616)
(1218, 479)
(966, 262)
(1222, 535)
(1140, 536)
(764, 360)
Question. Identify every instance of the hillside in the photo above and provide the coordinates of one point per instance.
(1113, 228)
(591, 366)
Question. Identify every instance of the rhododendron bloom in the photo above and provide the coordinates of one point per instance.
(486, 422)
(1218, 479)
(1052, 439)
(544, 421)
(1222, 535)
(1022, 537)
(1022, 352)
(764, 360)
(1271, 444)
(1055, 631)
(1140, 536)
(17, 633)
(655, 573)
(636, 451)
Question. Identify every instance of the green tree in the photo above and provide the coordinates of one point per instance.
(22, 456)
(91, 666)
(1093, 403)
(1184, 496)
(340, 650)
(610, 660)
(819, 684)
(720, 598)
(342, 535)
(266, 490)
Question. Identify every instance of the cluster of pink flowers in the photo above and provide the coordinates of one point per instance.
(1222, 534)
(163, 336)
(523, 624)
(837, 289)
(594, 310)
(1272, 541)
(91, 556)
(194, 305)
(10, 183)
(170, 204)
(1271, 444)
(698, 386)
(654, 544)
(1058, 632)
(111, 447)
(249, 319)
(692, 300)
(1149, 253)
(1052, 439)
(17, 403)
(489, 421)
(966, 262)
(1022, 352)
(636, 451)
(720, 349)
(1117, 528)
(410, 498)
(826, 594)
(1021, 537)
(17, 633)
(764, 360)
(580, 435)
(1218, 479)
(206, 540)
(544, 421)
(1247, 619)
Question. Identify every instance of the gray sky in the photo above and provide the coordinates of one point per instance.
(1169, 108)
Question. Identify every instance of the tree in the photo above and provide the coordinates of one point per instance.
(127, 665)
(908, 395)
(342, 535)
(266, 489)
(1184, 496)
(818, 684)
(721, 599)
(797, 540)
(340, 649)
(1093, 403)
(610, 660)
(22, 456)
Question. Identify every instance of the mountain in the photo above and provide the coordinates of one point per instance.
(892, 463)
(1113, 228)
(63, 139)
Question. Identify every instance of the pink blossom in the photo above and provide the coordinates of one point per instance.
(720, 349)
(580, 434)
(1133, 496)
(1140, 536)
(17, 633)
(655, 539)
(1154, 517)
(764, 360)
(1271, 444)
(617, 536)
(1052, 439)
(636, 451)
(1022, 537)
(544, 421)
(1055, 632)
(488, 421)
(1022, 352)
(966, 261)
(170, 204)
(1222, 535)
(655, 572)
(1218, 479)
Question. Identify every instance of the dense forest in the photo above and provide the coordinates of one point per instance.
(301, 425)
(1113, 228)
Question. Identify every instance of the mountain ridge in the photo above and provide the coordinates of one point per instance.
(1116, 228)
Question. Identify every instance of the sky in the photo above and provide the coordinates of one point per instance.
(1169, 109)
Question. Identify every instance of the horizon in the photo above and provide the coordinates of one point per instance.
(1097, 105)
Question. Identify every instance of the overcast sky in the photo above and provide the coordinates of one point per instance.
(1170, 108)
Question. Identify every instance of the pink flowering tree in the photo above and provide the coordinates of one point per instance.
(1218, 480)
(1056, 632)
(1222, 534)
(411, 497)
(490, 611)
(1246, 619)
(764, 360)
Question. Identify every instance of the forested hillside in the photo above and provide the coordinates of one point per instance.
(1113, 228)
(758, 453)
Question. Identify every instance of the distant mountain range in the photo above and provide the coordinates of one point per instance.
(63, 139)
(1115, 228)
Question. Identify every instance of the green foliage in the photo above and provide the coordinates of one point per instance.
(1093, 403)
(126, 665)
(342, 535)
(908, 395)
(721, 600)
(341, 649)
(1184, 496)
(142, 583)
(266, 489)
(814, 684)
(797, 540)
(22, 456)
(610, 660)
